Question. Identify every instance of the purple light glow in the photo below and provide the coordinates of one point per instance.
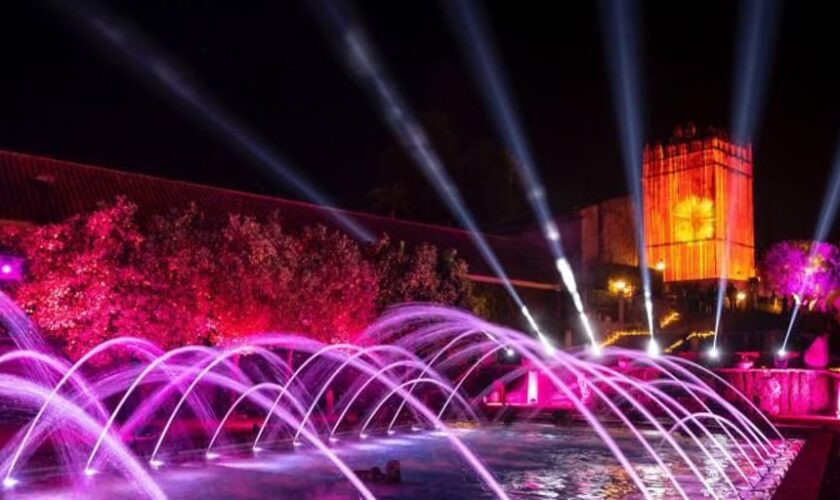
(11, 268)
(802, 269)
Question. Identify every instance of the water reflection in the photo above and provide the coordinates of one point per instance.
(530, 461)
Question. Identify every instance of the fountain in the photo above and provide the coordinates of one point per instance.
(421, 382)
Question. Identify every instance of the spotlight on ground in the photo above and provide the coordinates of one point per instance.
(156, 464)
(653, 349)
(714, 353)
(91, 472)
(10, 483)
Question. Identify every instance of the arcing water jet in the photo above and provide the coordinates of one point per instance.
(390, 373)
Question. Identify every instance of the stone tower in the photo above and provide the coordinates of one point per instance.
(698, 207)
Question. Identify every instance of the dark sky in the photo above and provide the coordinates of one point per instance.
(269, 63)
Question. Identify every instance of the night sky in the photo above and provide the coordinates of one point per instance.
(270, 64)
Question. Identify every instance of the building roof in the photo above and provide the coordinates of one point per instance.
(43, 190)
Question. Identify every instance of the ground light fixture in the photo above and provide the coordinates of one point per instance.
(653, 349)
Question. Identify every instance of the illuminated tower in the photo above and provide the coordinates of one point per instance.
(698, 202)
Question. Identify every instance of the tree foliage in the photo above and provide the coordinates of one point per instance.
(420, 274)
(179, 279)
(810, 270)
(494, 196)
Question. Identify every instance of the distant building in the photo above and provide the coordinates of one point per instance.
(606, 234)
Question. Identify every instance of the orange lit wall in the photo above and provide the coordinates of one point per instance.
(697, 202)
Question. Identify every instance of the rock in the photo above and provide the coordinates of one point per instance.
(393, 472)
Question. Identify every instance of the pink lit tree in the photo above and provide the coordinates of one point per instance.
(84, 277)
(810, 270)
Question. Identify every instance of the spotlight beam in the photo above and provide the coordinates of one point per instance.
(470, 27)
(757, 26)
(359, 54)
(131, 47)
(828, 213)
(619, 23)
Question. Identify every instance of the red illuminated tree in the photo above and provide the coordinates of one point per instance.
(179, 279)
(420, 274)
(84, 275)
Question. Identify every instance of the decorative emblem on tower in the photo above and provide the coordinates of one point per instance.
(694, 219)
(698, 206)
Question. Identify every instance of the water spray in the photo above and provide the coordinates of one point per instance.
(470, 26)
(360, 56)
(619, 22)
(139, 53)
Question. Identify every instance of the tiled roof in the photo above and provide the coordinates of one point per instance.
(38, 189)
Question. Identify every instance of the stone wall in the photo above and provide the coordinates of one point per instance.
(785, 391)
(607, 235)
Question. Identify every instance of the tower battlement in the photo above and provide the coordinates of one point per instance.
(698, 206)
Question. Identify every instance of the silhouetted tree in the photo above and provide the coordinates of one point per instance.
(482, 170)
